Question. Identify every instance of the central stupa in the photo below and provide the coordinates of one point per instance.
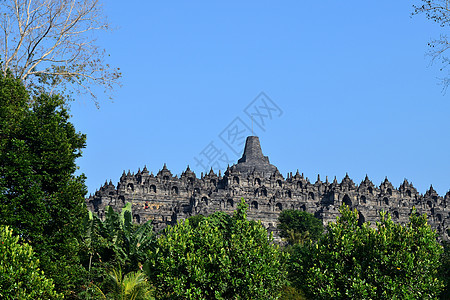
(253, 160)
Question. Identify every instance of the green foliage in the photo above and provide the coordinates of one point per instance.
(195, 220)
(117, 240)
(299, 226)
(390, 261)
(224, 257)
(115, 243)
(131, 286)
(40, 198)
(20, 276)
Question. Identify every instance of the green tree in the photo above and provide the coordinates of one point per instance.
(390, 261)
(224, 257)
(40, 197)
(20, 276)
(299, 226)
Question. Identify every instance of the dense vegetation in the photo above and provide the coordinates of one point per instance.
(298, 226)
(350, 261)
(20, 277)
(40, 198)
(52, 247)
(221, 257)
(113, 251)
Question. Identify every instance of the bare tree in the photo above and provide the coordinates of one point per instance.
(439, 12)
(51, 45)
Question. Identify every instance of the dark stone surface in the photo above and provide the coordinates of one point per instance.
(164, 199)
(253, 160)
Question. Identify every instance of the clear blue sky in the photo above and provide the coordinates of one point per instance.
(355, 90)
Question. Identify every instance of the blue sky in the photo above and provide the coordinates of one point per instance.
(355, 91)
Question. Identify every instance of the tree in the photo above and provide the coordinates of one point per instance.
(439, 12)
(113, 244)
(224, 257)
(20, 276)
(116, 240)
(390, 261)
(40, 197)
(131, 286)
(50, 45)
(298, 226)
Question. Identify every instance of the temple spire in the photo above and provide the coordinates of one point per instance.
(253, 160)
(253, 152)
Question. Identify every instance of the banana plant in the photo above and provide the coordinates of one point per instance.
(93, 228)
(117, 238)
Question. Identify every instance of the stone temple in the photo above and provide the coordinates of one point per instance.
(165, 199)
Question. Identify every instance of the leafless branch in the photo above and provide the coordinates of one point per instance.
(50, 44)
(439, 12)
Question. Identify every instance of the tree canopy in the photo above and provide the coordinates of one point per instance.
(223, 257)
(297, 226)
(40, 197)
(390, 261)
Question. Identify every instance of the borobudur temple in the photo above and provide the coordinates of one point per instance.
(165, 199)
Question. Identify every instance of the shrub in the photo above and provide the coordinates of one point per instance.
(20, 276)
(224, 257)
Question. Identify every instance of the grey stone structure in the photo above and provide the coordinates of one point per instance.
(164, 199)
